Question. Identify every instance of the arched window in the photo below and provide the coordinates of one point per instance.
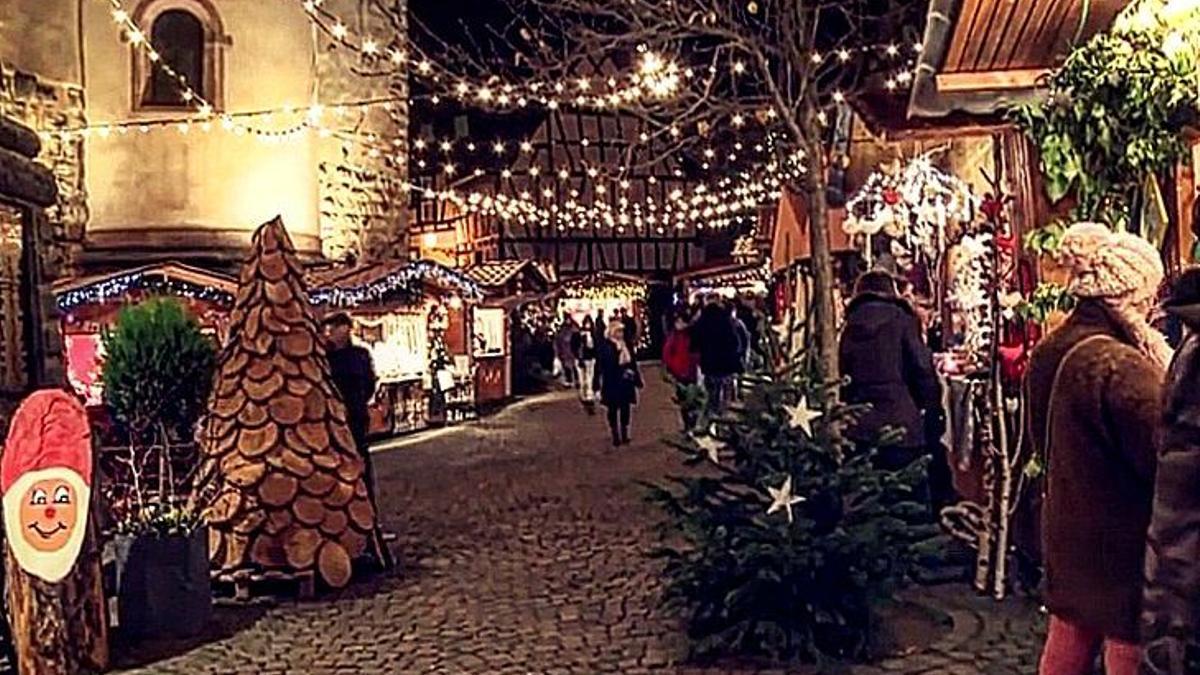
(178, 37)
(187, 38)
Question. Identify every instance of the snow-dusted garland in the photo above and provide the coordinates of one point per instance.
(970, 294)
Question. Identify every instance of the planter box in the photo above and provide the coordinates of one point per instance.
(164, 588)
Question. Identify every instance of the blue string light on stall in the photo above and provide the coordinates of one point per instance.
(154, 283)
(403, 280)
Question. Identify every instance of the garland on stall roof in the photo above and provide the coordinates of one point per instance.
(115, 288)
(404, 280)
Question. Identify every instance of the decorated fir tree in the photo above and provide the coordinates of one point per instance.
(781, 540)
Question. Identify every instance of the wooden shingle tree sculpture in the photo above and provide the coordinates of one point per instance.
(288, 482)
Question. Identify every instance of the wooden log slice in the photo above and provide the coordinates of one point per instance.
(315, 406)
(268, 551)
(290, 370)
(350, 468)
(296, 344)
(311, 370)
(337, 409)
(260, 369)
(360, 489)
(253, 415)
(340, 495)
(227, 407)
(218, 448)
(298, 386)
(254, 443)
(220, 430)
(308, 510)
(326, 460)
(274, 324)
(250, 522)
(353, 541)
(334, 564)
(264, 390)
(301, 546)
(224, 507)
(279, 293)
(229, 383)
(253, 324)
(335, 523)
(362, 515)
(297, 465)
(343, 439)
(291, 313)
(278, 520)
(278, 489)
(273, 267)
(242, 472)
(291, 441)
(314, 435)
(235, 550)
(235, 364)
(263, 342)
(318, 484)
(286, 409)
(247, 294)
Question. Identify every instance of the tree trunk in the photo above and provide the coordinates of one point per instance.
(825, 325)
(62, 628)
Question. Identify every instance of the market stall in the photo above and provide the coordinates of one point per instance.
(729, 280)
(414, 318)
(607, 293)
(507, 285)
(89, 305)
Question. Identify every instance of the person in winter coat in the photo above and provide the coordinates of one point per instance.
(682, 364)
(1171, 599)
(583, 345)
(889, 367)
(562, 349)
(617, 379)
(1093, 392)
(715, 339)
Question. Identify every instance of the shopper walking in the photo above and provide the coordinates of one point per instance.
(1171, 601)
(890, 368)
(1093, 394)
(617, 379)
(583, 346)
(715, 339)
(562, 349)
(683, 366)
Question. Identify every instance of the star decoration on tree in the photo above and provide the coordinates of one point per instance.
(782, 498)
(800, 416)
(711, 447)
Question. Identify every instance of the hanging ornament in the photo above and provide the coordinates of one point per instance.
(782, 498)
(891, 197)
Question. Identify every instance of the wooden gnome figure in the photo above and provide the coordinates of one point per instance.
(55, 599)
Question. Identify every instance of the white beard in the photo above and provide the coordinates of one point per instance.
(51, 566)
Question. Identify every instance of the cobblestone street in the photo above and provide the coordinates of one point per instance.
(523, 541)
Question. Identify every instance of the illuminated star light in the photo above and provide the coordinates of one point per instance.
(711, 447)
(800, 416)
(782, 498)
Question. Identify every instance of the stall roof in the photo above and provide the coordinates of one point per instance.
(95, 288)
(602, 278)
(980, 57)
(498, 273)
(374, 281)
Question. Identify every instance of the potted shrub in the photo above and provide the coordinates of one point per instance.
(157, 375)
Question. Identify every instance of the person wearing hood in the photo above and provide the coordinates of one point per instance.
(890, 368)
(1171, 599)
(1093, 391)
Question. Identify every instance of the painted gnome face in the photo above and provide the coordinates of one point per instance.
(45, 475)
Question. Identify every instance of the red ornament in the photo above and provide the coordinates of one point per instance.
(891, 197)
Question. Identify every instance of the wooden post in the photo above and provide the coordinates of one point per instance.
(55, 600)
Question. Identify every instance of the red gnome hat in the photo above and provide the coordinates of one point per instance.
(50, 429)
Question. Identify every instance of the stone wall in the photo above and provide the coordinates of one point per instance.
(363, 195)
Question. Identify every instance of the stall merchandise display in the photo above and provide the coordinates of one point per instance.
(288, 478)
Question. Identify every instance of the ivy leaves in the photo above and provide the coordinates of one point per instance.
(1114, 114)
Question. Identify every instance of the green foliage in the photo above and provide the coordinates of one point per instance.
(158, 370)
(1113, 115)
(1045, 240)
(1047, 298)
(750, 583)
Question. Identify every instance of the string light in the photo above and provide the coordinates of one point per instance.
(152, 282)
(403, 279)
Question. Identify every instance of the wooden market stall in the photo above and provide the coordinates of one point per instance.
(608, 293)
(507, 285)
(414, 317)
(89, 305)
(727, 279)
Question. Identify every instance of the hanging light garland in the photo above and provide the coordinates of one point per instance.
(402, 280)
(151, 282)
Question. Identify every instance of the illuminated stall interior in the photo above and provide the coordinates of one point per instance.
(507, 286)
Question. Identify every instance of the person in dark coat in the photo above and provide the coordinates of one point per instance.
(1093, 391)
(617, 379)
(889, 367)
(715, 339)
(1171, 599)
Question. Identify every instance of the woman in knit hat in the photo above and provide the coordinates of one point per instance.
(1093, 392)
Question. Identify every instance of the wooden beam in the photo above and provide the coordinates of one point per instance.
(989, 80)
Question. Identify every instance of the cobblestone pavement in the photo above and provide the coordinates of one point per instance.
(523, 543)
